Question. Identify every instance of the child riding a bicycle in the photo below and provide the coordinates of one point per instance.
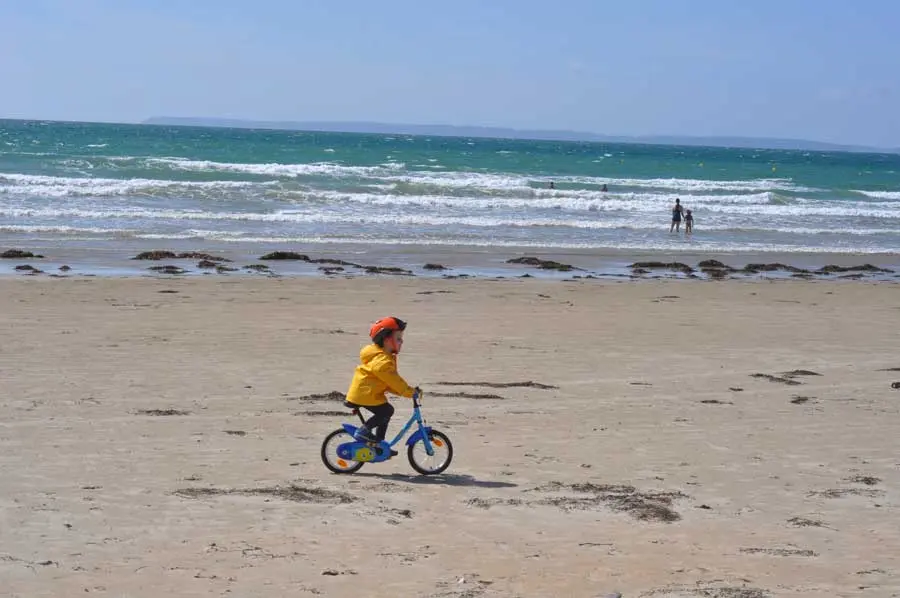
(377, 375)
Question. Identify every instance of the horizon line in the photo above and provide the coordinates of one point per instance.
(482, 131)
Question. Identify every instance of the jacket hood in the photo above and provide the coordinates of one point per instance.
(369, 352)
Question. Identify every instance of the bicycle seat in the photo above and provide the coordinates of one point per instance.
(350, 405)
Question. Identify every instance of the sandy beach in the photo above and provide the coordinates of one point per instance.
(732, 439)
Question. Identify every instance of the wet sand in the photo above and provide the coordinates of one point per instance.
(728, 439)
(105, 258)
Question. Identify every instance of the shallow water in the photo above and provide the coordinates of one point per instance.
(65, 183)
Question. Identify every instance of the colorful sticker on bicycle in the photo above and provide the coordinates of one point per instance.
(364, 454)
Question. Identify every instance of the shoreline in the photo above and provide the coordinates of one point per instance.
(454, 261)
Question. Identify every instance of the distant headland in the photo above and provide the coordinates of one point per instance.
(508, 133)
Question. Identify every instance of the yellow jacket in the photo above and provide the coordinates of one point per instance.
(376, 375)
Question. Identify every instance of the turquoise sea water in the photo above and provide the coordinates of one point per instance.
(71, 182)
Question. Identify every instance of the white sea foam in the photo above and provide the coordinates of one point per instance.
(664, 242)
(659, 241)
(52, 186)
(512, 181)
(686, 185)
(579, 200)
(889, 195)
(459, 207)
(63, 230)
(395, 171)
(276, 169)
(441, 182)
(807, 209)
(761, 204)
(517, 197)
(369, 218)
(35, 153)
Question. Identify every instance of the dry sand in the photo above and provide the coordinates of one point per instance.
(659, 466)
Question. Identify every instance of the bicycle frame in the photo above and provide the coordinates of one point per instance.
(415, 418)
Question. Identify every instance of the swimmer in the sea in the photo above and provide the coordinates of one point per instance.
(688, 222)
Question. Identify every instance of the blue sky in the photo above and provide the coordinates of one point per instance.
(814, 69)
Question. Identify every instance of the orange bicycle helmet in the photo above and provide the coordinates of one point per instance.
(385, 326)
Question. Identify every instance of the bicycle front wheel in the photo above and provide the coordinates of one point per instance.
(427, 464)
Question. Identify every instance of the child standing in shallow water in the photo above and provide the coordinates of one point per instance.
(688, 222)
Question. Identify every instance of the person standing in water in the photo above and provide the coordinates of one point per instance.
(688, 222)
(676, 216)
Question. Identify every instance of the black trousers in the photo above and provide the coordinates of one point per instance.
(381, 417)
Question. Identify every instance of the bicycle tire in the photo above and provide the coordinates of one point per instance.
(441, 440)
(336, 468)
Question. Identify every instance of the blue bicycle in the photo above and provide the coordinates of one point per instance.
(429, 451)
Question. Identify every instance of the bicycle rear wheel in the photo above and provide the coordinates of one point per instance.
(330, 456)
(427, 464)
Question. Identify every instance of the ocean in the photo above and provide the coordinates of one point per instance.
(110, 184)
